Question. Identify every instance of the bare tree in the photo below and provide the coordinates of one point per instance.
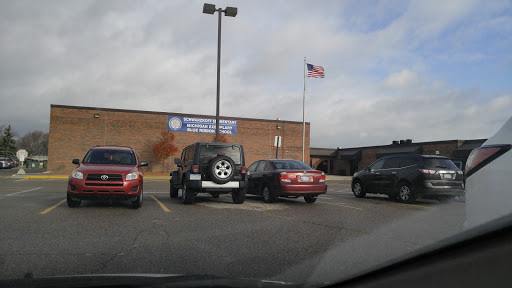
(35, 142)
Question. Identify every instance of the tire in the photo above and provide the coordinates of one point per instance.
(358, 189)
(72, 203)
(137, 203)
(268, 196)
(173, 191)
(310, 199)
(221, 169)
(186, 194)
(238, 195)
(405, 193)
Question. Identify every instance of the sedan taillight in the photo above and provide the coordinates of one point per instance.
(322, 178)
(482, 156)
(284, 177)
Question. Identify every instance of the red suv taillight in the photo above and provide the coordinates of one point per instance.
(195, 168)
(482, 156)
(243, 170)
(284, 177)
(322, 178)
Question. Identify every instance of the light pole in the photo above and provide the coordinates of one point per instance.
(229, 11)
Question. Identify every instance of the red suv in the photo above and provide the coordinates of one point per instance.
(107, 172)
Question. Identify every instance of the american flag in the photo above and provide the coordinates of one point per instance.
(315, 71)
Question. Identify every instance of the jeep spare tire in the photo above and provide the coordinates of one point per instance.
(221, 169)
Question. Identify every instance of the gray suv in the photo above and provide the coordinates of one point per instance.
(5, 162)
(214, 168)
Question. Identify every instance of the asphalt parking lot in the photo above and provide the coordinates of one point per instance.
(289, 240)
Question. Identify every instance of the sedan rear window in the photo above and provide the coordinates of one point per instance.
(290, 165)
(104, 156)
(439, 163)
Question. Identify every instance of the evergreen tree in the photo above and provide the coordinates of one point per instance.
(7, 144)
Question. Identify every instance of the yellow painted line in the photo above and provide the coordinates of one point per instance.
(338, 179)
(53, 207)
(417, 205)
(158, 177)
(161, 204)
(340, 205)
(261, 206)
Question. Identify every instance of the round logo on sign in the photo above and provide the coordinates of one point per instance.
(175, 123)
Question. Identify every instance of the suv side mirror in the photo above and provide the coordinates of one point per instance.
(143, 163)
(76, 161)
(177, 161)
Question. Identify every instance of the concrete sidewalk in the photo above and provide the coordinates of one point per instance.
(338, 178)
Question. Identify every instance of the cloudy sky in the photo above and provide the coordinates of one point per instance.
(424, 70)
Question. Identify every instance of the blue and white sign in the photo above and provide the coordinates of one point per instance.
(201, 125)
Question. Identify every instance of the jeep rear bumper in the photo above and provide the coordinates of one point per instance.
(199, 185)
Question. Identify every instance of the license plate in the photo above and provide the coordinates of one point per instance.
(447, 176)
(195, 176)
(304, 178)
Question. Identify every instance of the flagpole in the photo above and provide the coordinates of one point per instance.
(303, 113)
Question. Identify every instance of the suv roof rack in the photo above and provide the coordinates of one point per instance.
(113, 146)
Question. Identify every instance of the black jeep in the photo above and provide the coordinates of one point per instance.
(212, 168)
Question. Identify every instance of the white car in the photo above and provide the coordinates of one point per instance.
(488, 179)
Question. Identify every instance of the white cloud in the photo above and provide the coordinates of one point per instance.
(161, 56)
(403, 79)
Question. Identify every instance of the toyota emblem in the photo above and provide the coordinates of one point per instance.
(104, 177)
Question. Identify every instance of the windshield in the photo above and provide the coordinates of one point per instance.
(110, 157)
(107, 107)
(290, 165)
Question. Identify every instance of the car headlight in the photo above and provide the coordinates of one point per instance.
(77, 174)
(132, 176)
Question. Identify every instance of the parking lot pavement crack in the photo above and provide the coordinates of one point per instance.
(135, 244)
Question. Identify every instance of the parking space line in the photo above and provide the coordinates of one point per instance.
(340, 205)
(25, 191)
(257, 205)
(161, 204)
(53, 207)
(417, 205)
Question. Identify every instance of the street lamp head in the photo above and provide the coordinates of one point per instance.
(231, 11)
(208, 8)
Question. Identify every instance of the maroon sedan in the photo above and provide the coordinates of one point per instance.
(285, 178)
(107, 172)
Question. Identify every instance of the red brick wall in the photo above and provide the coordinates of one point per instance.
(445, 149)
(74, 130)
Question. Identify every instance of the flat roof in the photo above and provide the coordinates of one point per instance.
(168, 113)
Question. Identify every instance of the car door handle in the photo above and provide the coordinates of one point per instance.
(393, 172)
